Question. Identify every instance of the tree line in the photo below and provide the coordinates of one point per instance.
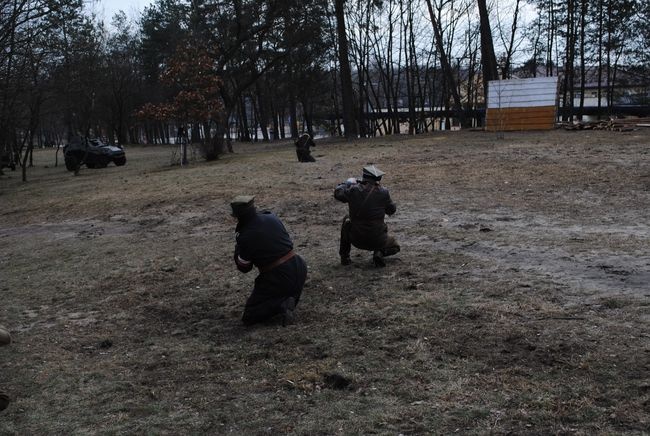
(267, 69)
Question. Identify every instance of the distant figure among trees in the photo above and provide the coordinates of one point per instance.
(302, 148)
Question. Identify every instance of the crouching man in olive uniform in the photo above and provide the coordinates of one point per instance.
(5, 339)
(364, 227)
(263, 242)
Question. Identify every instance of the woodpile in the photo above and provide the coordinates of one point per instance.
(613, 124)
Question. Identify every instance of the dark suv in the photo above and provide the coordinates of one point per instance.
(93, 153)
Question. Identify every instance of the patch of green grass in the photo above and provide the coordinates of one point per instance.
(614, 303)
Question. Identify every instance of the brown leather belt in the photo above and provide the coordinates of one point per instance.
(277, 262)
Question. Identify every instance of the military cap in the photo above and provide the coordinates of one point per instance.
(241, 203)
(372, 172)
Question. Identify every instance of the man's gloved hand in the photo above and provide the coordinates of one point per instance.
(242, 265)
(351, 181)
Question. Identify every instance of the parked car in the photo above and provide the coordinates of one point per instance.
(93, 153)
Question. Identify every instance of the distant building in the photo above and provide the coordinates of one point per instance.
(622, 94)
(522, 104)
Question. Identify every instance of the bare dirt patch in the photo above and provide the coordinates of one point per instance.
(519, 303)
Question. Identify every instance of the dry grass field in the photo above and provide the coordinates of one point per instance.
(519, 303)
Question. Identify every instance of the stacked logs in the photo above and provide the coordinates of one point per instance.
(612, 124)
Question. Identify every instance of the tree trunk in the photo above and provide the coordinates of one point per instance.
(347, 93)
(488, 57)
(568, 63)
(408, 67)
(600, 55)
(262, 110)
(293, 115)
(583, 73)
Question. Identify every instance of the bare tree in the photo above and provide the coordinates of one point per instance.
(509, 43)
(444, 59)
(347, 92)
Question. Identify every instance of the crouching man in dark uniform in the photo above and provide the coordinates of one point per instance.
(263, 242)
(364, 227)
(302, 148)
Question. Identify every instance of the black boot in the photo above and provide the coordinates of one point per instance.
(4, 400)
(288, 307)
(378, 259)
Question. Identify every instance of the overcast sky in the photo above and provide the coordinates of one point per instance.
(106, 8)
